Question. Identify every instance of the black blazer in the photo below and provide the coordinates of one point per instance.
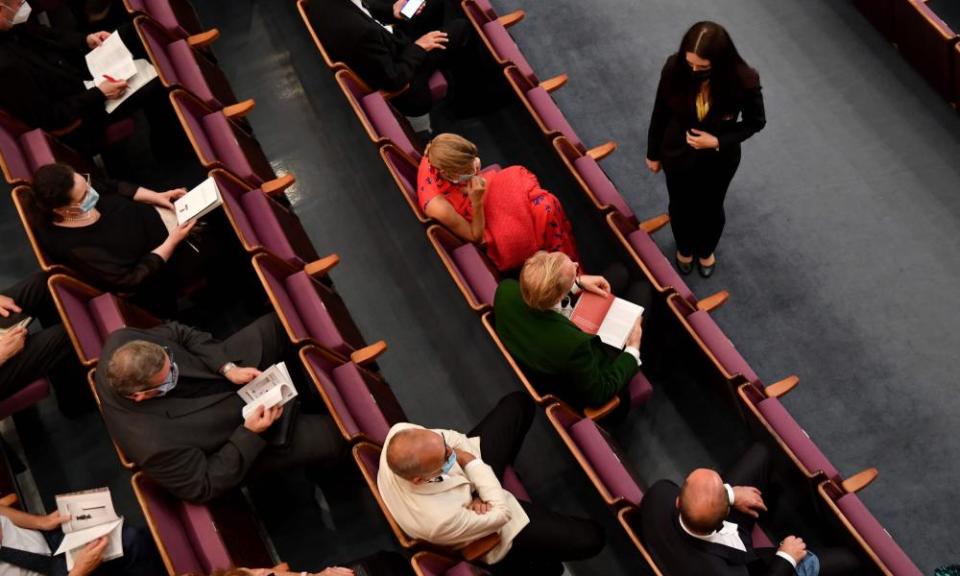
(42, 72)
(197, 448)
(674, 114)
(679, 554)
(383, 60)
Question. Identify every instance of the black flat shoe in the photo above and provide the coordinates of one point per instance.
(684, 267)
(706, 271)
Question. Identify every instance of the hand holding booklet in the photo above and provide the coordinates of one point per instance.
(91, 516)
(273, 387)
(111, 60)
(196, 203)
(609, 317)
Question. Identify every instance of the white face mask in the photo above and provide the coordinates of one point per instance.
(22, 14)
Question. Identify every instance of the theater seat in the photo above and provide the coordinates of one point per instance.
(381, 122)
(471, 270)
(362, 405)
(177, 17)
(24, 149)
(311, 311)
(493, 31)
(629, 518)
(24, 397)
(179, 64)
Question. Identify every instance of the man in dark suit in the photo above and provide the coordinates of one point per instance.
(169, 397)
(386, 56)
(705, 527)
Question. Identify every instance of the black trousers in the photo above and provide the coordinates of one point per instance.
(47, 352)
(753, 469)
(139, 555)
(697, 185)
(550, 538)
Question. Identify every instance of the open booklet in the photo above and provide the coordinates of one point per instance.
(271, 388)
(112, 60)
(610, 318)
(91, 516)
(196, 203)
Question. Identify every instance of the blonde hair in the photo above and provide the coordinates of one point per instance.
(541, 283)
(451, 154)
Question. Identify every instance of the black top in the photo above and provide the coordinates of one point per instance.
(47, 68)
(674, 114)
(115, 252)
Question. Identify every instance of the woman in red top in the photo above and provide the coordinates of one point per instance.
(505, 211)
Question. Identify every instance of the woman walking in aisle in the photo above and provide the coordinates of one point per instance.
(708, 102)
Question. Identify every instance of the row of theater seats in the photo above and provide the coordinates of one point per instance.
(929, 43)
(477, 279)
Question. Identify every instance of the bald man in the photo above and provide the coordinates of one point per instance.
(705, 527)
(444, 487)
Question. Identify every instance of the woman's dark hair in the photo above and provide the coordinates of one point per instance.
(729, 74)
(51, 189)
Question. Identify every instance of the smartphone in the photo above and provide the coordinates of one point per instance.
(21, 323)
(411, 8)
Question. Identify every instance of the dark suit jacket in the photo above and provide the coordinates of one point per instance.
(197, 448)
(42, 72)
(680, 554)
(674, 113)
(550, 344)
(383, 60)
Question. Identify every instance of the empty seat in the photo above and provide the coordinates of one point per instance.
(471, 270)
(592, 179)
(263, 223)
(927, 42)
(597, 454)
(24, 397)
(218, 141)
(185, 534)
(311, 311)
(179, 64)
(864, 528)
(493, 31)
(380, 120)
(23, 150)
(177, 17)
(362, 405)
(433, 564)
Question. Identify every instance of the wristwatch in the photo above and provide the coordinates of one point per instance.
(226, 368)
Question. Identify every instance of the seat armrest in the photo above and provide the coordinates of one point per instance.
(277, 186)
(713, 301)
(508, 20)
(602, 411)
(240, 109)
(322, 267)
(203, 39)
(600, 152)
(859, 481)
(368, 354)
(651, 225)
(779, 389)
(554, 83)
(479, 548)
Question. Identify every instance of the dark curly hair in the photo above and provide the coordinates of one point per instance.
(51, 190)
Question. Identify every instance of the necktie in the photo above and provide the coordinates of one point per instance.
(32, 561)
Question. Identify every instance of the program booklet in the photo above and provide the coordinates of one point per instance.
(271, 388)
(198, 202)
(610, 318)
(91, 516)
(113, 60)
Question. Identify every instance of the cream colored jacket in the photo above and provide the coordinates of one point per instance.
(437, 511)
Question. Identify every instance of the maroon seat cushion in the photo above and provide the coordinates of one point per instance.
(760, 538)
(184, 61)
(259, 213)
(551, 116)
(226, 148)
(664, 272)
(202, 532)
(385, 123)
(464, 568)
(513, 485)
(106, 314)
(438, 86)
(313, 312)
(475, 272)
(232, 195)
(601, 186)
(883, 545)
(37, 149)
(165, 515)
(506, 49)
(80, 318)
(721, 346)
(13, 157)
(193, 115)
(639, 389)
(24, 398)
(796, 438)
(360, 403)
(605, 461)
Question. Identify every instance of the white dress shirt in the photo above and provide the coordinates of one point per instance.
(21, 539)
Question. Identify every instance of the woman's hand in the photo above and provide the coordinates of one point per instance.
(97, 38)
(653, 165)
(596, 284)
(476, 189)
(181, 232)
(700, 140)
(111, 89)
(160, 199)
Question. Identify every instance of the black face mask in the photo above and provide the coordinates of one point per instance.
(701, 75)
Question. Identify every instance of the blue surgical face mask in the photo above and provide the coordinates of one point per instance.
(22, 15)
(90, 200)
(448, 465)
(170, 382)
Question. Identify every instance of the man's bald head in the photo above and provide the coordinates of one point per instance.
(703, 501)
(413, 453)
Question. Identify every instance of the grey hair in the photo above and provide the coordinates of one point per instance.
(403, 455)
(133, 365)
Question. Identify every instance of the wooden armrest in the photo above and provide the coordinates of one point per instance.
(322, 267)
(779, 389)
(368, 354)
(651, 225)
(554, 83)
(67, 129)
(278, 185)
(508, 20)
(282, 567)
(859, 481)
(9, 500)
(203, 39)
(713, 301)
(240, 109)
(479, 548)
(602, 411)
(600, 152)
